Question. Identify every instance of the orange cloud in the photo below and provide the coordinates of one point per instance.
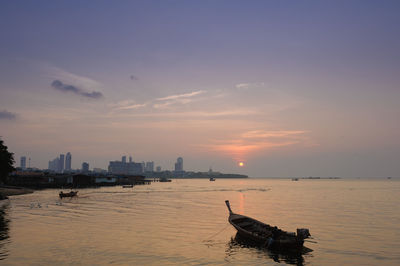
(257, 140)
(272, 134)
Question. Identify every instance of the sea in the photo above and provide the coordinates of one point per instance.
(185, 222)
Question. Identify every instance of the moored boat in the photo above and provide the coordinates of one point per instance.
(127, 186)
(212, 179)
(263, 234)
(68, 194)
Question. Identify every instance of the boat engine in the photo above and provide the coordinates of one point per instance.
(303, 233)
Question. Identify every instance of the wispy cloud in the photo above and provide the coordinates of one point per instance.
(131, 106)
(125, 105)
(60, 86)
(162, 105)
(172, 102)
(158, 103)
(180, 96)
(6, 115)
(196, 114)
(240, 149)
(176, 99)
(249, 85)
(256, 134)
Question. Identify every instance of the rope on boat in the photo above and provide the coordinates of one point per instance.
(209, 238)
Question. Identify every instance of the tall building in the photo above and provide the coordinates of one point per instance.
(158, 168)
(23, 162)
(54, 164)
(134, 168)
(179, 164)
(130, 159)
(61, 163)
(124, 159)
(85, 167)
(124, 168)
(149, 167)
(68, 161)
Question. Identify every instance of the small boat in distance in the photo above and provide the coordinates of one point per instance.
(68, 194)
(212, 179)
(265, 235)
(295, 179)
(127, 186)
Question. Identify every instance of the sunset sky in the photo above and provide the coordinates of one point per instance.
(290, 88)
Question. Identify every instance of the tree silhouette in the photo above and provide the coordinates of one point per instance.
(6, 162)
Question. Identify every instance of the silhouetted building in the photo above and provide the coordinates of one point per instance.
(85, 167)
(149, 167)
(61, 163)
(124, 159)
(23, 162)
(179, 164)
(54, 164)
(124, 168)
(68, 162)
(158, 168)
(179, 168)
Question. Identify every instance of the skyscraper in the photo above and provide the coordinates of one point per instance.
(179, 164)
(149, 167)
(68, 162)
(61, 163)
(124, 159)
(23, 162)
(54, 164)
(85, 167)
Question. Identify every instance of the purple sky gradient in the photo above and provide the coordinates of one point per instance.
(305, 88)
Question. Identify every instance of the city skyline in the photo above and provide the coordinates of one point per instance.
(286, 89)
(63, 163)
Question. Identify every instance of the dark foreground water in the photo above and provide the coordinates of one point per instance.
(355, 222)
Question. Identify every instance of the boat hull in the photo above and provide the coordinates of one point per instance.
(262, 234)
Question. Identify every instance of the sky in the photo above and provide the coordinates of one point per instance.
(289, 88)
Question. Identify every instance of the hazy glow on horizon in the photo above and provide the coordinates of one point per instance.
(289, 89)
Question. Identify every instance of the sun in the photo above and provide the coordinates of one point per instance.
(241, 164)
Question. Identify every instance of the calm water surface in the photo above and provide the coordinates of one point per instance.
(355, 222)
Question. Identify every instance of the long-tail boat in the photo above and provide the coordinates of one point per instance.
(68, 194)
(263, 234)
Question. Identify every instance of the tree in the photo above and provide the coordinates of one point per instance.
(6, 162)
